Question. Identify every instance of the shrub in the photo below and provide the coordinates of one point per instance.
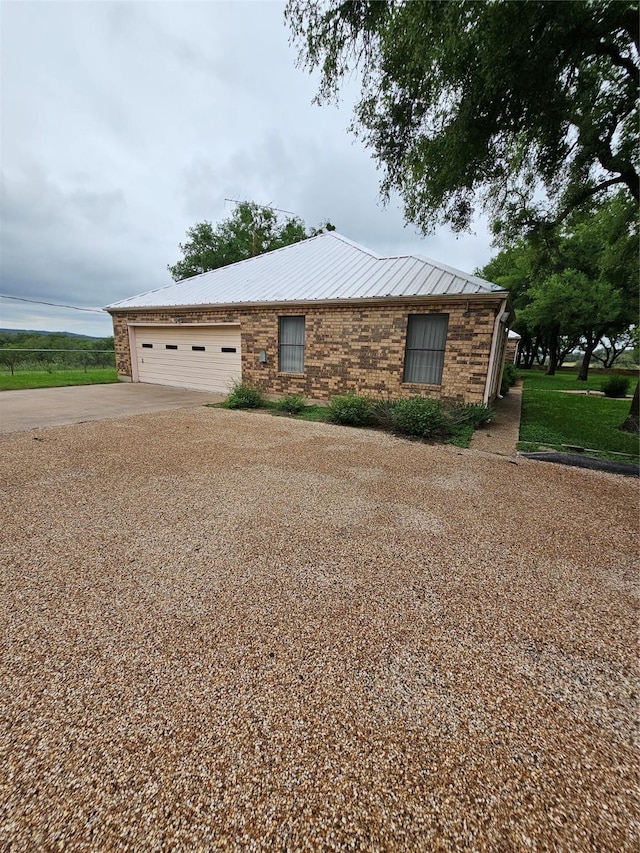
(244, 396)
(382, 413)
(508, 377)
(471, 414)
(292, 404)
(616, 386)
(421, 417)
(351, 410)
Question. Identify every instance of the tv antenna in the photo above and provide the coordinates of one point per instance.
(268, 206)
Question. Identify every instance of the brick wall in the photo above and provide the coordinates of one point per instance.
(347, 347)
(511, 350)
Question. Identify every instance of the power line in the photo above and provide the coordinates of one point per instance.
(52, 304)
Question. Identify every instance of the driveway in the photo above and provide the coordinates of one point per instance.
(43, 407)
(231, 631)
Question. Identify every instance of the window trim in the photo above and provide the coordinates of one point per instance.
(408, 349)
(300, 347)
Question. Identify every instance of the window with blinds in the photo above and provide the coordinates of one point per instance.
(426, 342)
(291, 344)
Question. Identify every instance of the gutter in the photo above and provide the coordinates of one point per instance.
(501, 319)
(294, 303)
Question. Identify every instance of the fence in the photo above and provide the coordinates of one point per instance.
(50, 360)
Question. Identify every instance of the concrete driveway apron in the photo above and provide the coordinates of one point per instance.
(44, 407)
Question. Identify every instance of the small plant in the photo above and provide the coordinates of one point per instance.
(292, 404)
(244, 396)
(508, 377)
(471, 414)
(382, 413)
(616, 386)
(421, 417)
(351, 410)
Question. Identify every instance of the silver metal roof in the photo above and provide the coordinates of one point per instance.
(325, 267)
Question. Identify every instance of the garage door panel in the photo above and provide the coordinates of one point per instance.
(166, 356)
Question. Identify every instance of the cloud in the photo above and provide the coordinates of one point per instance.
(126, 123)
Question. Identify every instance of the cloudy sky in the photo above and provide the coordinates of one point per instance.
(125, 123)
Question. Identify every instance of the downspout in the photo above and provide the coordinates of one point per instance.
(495, 345)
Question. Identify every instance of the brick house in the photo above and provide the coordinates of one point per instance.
(319, 318)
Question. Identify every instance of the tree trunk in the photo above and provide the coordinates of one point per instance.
(553, 354)
(584, 367)
(632, 423)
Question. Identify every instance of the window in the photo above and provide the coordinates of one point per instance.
(227, 349)
(291, 345)
(147, 346)
(424, 355)
(171, 346)
(198, 349)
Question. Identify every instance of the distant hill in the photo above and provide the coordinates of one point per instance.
(38, 332)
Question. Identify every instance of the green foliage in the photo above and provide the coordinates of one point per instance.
(459, 110)
(31, 350)
(351, 410)
(553, 418)
(250, 230)
(616, 386)
(43, 379)
(577, 285)
(509, 376)
(471, 414)
(383, 413)
(421, 417)
(244, 396)
(418, 417)
(292, 404)
(314, 413)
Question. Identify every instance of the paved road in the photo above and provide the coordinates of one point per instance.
(43, 407)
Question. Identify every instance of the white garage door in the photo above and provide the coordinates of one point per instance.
(203, 358)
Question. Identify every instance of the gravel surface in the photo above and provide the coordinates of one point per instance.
(229, 631)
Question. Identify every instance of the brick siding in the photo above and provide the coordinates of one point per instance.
(347, 347)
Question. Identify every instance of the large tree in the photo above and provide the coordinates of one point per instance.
(524, 109)
(250, 230)
(575, 284)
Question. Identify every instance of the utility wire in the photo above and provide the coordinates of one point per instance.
(53, 304)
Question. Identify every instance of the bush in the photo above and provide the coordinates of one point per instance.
(471, 414)
(508, 377)
(616, 386)
(291, 404)
(421, 417)
(244, 396)
(382, 413)
(351, 410)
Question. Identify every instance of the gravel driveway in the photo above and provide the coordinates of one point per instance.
(229, 631)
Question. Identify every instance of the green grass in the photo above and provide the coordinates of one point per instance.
(314, 413)
(551, 418)
(43, 379)
(309, 413)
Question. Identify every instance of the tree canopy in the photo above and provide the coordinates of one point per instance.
(250, 230)
(577, 286)
(524, 110)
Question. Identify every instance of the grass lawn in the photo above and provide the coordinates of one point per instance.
(551, 418)
(43, 379)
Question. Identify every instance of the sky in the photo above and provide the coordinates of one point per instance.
(122, 124)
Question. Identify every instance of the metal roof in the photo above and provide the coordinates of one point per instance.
(326, 267)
